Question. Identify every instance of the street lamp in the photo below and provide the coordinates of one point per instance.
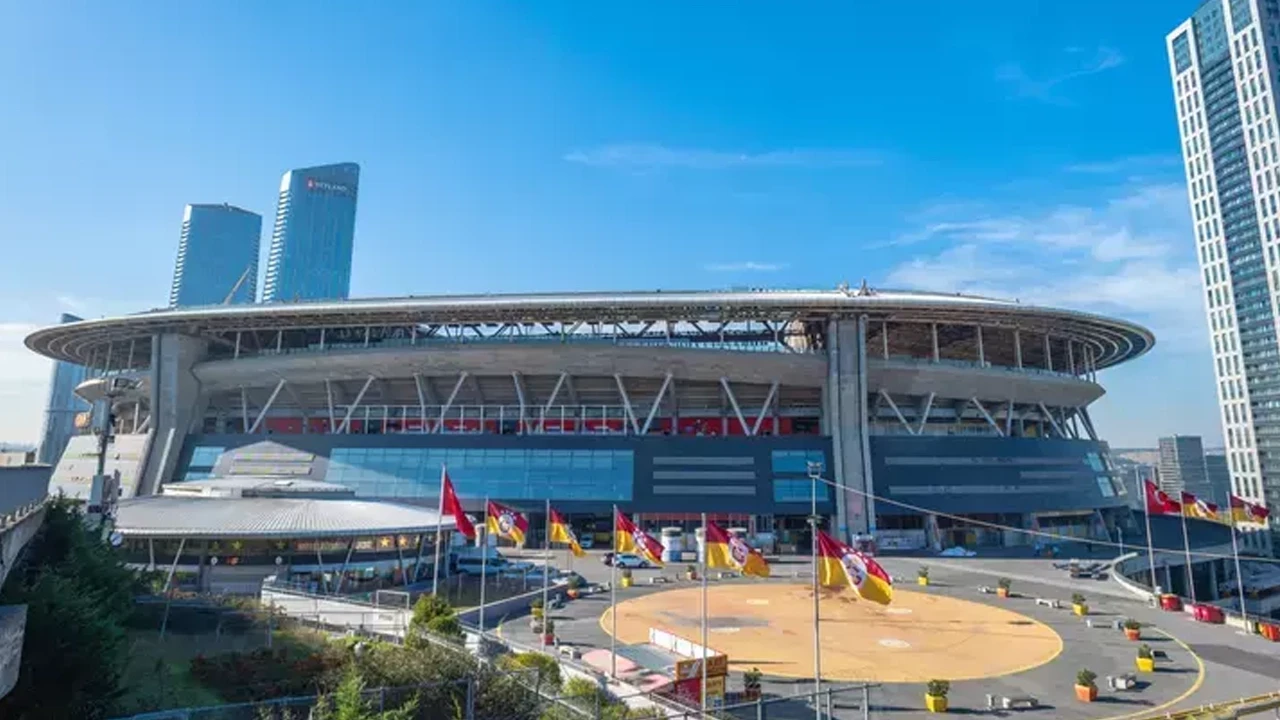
(815, 476)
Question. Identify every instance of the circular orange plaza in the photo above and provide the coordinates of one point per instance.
(917, 638)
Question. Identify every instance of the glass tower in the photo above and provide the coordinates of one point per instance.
(314, 234)
(217, 256)
(1224, 61)
(64, 405)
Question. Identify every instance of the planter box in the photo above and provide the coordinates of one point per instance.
(922, 581)
(1086, 693)
(1002, 592)
(1269, 631)
(935, 703)
(1133, 634)
(1080, 609)
(1145, 665)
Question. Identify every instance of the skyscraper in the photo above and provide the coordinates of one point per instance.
(1224, 61)
(314, 234)
(1182, 466)
(64, 405)
(217, 254)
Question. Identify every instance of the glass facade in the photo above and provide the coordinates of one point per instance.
(504, 474)
(798, 490)
(64, 405)
(797, 461)
(217, 253)
(314, 234)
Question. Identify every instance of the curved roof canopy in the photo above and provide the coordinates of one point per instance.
(80, 342)
(178, 516)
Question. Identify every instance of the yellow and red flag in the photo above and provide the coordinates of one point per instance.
(562, 533)
(507, 523)
(733, 553)
(627, 538)
(1243, 511)
(1198, 507)
(841, 566)
(449, 505)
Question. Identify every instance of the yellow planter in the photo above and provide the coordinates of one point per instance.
(922, 581)
(1080, 609)
(1002, 592)
(1146, 664)
(625, 582)
(935, 703)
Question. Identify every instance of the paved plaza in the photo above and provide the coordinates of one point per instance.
(949, 630)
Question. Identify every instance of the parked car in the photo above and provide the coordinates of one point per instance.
(477, 566)
(625, 560)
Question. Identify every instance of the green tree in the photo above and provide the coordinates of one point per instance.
(546, 667)
(79, 596)
(349, 703)
(433, 615)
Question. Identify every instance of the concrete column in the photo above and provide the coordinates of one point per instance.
(845, 420)
(1213, 580)
(176, 404)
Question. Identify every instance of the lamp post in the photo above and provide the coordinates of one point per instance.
(815, 476)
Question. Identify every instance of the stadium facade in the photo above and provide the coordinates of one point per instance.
(928, 410)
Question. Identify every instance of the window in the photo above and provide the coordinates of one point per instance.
(798, 490)
(1105, 487)
(513, 474)
(797, 461)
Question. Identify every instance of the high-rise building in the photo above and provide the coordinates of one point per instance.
(1182, 465)
(64, 405)
(217, 256)
(1225, 61)
(1219, 477)
(314, 234)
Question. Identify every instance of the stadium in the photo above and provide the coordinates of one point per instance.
(664, 403)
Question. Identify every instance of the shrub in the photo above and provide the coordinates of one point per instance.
(1131, 624)
(537, 604)
(1004, 583)
(923, 572)
(546, 666)
(691, 568)
(1077, 599)
(1085, 678)
(432, 614)
(626, 572)
(1144, 652)
(938, 688)
(575, 582)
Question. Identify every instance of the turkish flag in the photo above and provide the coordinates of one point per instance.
(1158, 503)
(450, 505)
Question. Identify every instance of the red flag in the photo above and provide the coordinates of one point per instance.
(1244, 511)
(627, 538)
(449, 505)
(1158, 503)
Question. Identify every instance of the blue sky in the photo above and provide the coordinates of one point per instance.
(1018, 149)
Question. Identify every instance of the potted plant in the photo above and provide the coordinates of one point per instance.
(751, 684)
(935, 696)
(922, 575)
(1132, 629)
(1078, 605)
(1002, 587)
(537, 609)
(549, 632)
(1146, 660)
(1086, 689)
(575, 585)
(691, 572)
(626, 578)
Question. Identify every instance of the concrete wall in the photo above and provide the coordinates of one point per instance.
(22, 486)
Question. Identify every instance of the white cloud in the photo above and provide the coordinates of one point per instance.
(1043, 88)
(748, 266)
(646, 156)
(1130, 256)
(24, 385)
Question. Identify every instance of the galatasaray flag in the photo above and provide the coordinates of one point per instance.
(841, 566)
(1159, 503)
(733, 553)
(507, 523)
(627, 538)
(562, 533)
(1195, 507)
(449, 505)
(1243, 511)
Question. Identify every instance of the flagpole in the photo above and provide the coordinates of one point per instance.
(705, 651)
(1235, 550)
(484, 564)
(814, 472)
(546, 575)
(613, 601)
(1151, 552)
(1186, 549)
(435, 571)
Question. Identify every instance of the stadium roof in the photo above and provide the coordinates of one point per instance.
(256, 486)
(1117, 340)
(177, 516)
